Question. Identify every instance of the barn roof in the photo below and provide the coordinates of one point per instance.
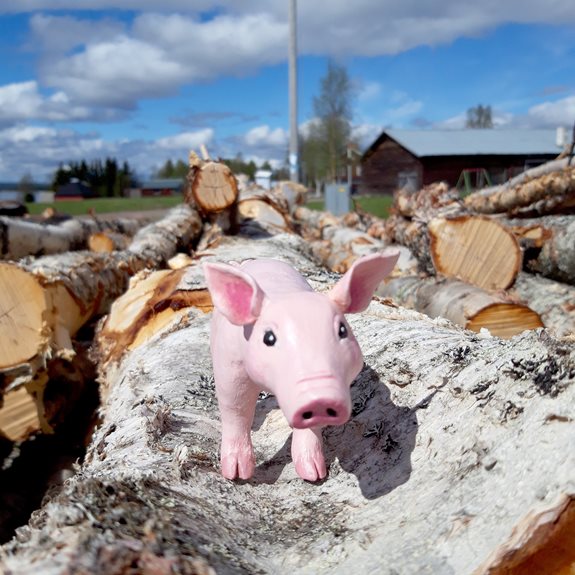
(163, 184)
(472, 142)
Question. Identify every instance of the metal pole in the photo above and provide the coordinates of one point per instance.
(293, 136)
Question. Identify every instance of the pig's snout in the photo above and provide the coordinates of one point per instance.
(321, 412)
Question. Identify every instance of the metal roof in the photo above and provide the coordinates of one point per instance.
(163, 184)
(472, 142)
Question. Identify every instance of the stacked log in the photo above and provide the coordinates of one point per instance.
(482, 242)
(446, 425)
(547, 189)
(45, 301)
(20, 237)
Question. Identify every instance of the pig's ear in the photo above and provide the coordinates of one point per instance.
(353, 292)
(234, 293)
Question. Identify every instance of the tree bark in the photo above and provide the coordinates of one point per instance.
(554, 180)
(455, 439)
(549, 245)
(426, 201)
(464, 304)
(271, 213)
(105, 242)
(20, 238)
(553, 301)
(333, 242)
(45, 301)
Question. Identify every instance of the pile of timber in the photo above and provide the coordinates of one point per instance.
(446, 423)
(481, 261)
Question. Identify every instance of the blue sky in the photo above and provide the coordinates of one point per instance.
(83, 79)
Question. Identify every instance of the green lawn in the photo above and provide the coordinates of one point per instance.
(376, 205)
(107, 205)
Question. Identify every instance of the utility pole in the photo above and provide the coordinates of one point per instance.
(293, 132)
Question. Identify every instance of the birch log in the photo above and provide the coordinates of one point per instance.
(213, 189)
(556, 180)
(473, 249)
(549, 245)
(271, 212)
(553, 301)
(45, 301)
(20, 238)
(466, 305)
(455, 440)
(105, 242)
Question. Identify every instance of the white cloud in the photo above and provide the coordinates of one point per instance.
(549, 114)
(365, 134)
(116, 67)
(39, 150)
(553, 114)
(23, 101)
(116, 63)
(186, 141)
(265, 136)
(59, 34)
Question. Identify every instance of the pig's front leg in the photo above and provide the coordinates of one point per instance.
(307, 454)
(237, 414)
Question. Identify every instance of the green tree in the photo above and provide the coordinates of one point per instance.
(105, 178)
(26, 186)
(314, 157)
(333, 108)
(479, 117)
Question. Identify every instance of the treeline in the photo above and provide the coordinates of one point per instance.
(105, 178)
(238, 165)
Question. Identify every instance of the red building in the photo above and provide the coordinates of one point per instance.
(471, 157)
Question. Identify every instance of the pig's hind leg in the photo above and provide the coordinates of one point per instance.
(237, 410)
(307, 454)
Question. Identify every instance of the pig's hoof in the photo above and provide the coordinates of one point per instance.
(238, 463)
(307, 454)
(311, 469)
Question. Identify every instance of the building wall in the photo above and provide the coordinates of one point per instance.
(499, 168)
(382, 170)
(390, 166)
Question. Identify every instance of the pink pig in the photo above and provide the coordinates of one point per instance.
(270, 331)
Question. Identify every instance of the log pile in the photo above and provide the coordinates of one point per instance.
(457, 458)
(501, 258)
(21, 237)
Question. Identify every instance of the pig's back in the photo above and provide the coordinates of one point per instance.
(275, 277)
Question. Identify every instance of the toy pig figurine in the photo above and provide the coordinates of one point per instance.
(270, 331)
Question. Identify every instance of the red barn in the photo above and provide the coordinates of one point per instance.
(472, 157)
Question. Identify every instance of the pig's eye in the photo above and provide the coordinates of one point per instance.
(342, 332)
(270, 338)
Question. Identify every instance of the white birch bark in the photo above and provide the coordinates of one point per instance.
(20, 238)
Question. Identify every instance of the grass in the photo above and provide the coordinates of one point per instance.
(377, 205)
(107, 205)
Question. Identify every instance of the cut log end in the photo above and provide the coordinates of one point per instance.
(214, 187)
(505, 320)
(18, 415)
(542, 543)
(23, 309)
(106, 242)
(152, 303)
(476, 250)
